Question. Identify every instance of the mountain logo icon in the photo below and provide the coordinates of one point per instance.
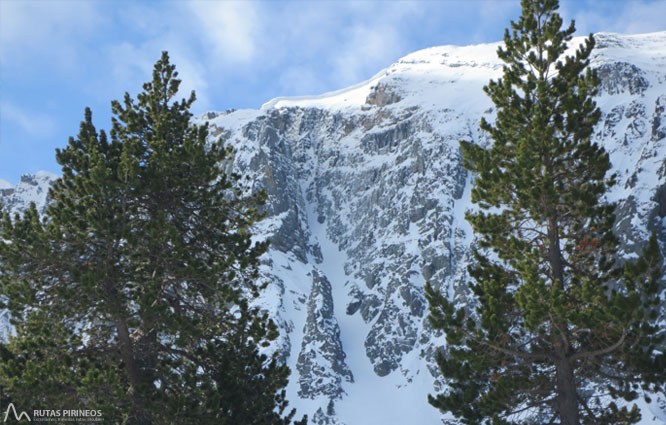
(17, 416)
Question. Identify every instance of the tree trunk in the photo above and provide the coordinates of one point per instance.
(554, 251)
(137, 414)
(567, 399)
(566, 403)
(135, 376)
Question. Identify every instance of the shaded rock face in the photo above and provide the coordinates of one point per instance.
(277, 173)
(366, 202)
(633, 134)
(353, 185)
(620, 77)
(382, 95)
(321, 363)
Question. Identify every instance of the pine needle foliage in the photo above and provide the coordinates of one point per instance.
(562, 328)
(131, 295)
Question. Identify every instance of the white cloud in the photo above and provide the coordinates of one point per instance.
(229, 28)
(331, 44)
(132, 65)
(193, 77)
(51, 30)
(129, 63)
(630, 17)
(147, 19)
(374, 41)
(34, 123)
(488, 14)
(642, 17)
(298, 47)
(300, 80)
(366, 50)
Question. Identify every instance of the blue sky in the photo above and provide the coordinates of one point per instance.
(57, 57)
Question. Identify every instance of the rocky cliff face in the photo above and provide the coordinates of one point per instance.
(366, 203)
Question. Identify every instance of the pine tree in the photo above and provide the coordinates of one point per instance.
(132, 295)
(562, 327)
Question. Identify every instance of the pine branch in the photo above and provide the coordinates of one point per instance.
(601, 352)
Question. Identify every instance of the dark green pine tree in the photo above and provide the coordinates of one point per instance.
(562, 328)
(132, 294)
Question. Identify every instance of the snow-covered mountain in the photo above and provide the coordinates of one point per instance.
(31, 188)
(366, 203)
